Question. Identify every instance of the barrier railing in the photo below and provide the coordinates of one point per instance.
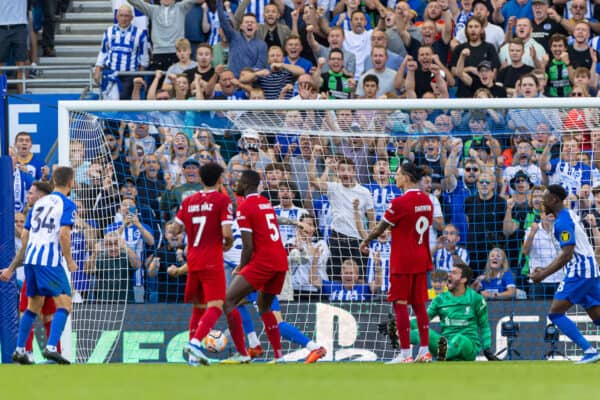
(26, 80)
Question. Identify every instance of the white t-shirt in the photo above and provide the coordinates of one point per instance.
(544, 249)
(527, 60)
(342, 210)
(360, 46)
(386, 81)
(437, 213)
(533, 171)
(493, 34)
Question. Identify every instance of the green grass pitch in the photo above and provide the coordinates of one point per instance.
(370, 381)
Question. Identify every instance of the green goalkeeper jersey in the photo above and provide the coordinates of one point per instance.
(466, 315)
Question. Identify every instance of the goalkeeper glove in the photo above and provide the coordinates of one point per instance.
(489, 354)
(388, 328)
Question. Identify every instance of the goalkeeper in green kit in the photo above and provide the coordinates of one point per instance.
(464, 325)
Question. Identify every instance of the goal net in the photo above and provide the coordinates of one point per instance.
(331, 166)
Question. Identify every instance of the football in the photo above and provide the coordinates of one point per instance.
(215, 341)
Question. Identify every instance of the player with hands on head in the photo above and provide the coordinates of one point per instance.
(409, 217)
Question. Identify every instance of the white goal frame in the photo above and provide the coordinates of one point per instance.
(66, 107)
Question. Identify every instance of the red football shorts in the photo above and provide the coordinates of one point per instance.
(48, 308)
(411, 288)
(263, 278)
(205, 285)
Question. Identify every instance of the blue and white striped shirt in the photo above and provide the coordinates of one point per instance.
(288, 232)
(213, 36)
(384, 249)
(233, 256)
(382, 197)
(124, 49)
(569, 231)
(442, 258)
(257, 7)
(43, 222)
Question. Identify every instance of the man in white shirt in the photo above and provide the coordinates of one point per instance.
(523, 30)
(343, 191)
(358, 41)
(493, 33)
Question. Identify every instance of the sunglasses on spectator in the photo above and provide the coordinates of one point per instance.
(576, 94)
(204, 157)
(471, 169)
(485, 182)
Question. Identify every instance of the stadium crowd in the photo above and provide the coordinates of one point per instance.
(488, 168)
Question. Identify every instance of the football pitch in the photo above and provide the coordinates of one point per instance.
(371, 381)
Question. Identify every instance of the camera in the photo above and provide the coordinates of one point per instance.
(551, 334)
(510, 328)
(252, 147)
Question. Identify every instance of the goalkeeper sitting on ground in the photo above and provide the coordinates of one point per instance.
(463, 320)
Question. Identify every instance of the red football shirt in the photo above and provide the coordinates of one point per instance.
(203, 214)
(410, 215)
(256, 215)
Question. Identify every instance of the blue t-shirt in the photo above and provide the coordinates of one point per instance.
(302, 62)
(337, 292)
(514, 9)
(498, 285)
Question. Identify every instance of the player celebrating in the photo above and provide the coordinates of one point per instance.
(207, 218)
(581, 284)
(50, 223)
(409, 217)
(463, 318)
(263, 263)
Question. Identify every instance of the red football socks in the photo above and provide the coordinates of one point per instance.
(422, 323)
(234, 321)
(29, 342)
(206, 323)
(272, 330)
(402, 324)
(195, 319)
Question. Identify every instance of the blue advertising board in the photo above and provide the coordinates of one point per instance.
(38, 115)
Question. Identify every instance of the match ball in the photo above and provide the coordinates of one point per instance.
(215, 341)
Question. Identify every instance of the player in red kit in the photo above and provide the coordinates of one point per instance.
(263, 264)
(409, 217)
(207, 218)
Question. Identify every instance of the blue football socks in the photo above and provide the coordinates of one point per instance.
(246, 319)
(57, 327)
(25, 327)
(569, 328)
(291, 333)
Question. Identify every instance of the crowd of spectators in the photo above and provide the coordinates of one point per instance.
(488, 168)
(26, 26)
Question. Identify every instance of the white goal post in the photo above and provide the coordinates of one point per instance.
(557, 107)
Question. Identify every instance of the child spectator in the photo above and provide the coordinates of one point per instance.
(439, 284)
